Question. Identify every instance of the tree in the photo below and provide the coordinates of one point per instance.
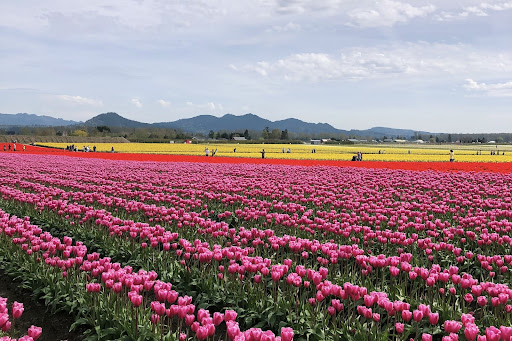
(284, 134)
(265, 133)
(211, 134)
(102, 129)
(449, 137)
(246, 134)
(79, 132)
(275, 134)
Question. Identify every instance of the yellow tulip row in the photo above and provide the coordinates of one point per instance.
(317, 152)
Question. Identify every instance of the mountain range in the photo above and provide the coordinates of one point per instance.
(202, 124)
(20, 120)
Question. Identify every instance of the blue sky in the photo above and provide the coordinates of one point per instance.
(440, 66)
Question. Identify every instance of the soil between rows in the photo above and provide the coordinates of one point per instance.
(55, 326)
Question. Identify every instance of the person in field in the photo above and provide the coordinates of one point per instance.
(206, 151)
(263, 154)
(452, 156)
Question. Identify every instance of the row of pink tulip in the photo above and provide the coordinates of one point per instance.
(374, 261)
(120, 280)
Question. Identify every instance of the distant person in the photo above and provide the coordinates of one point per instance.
(94, 148)
(283, 150)
(5, 148)
(452, 157)
(112, 150)
(288, 150)
(23, 147)
(206, 151)
(234, 150)
(9, 147)
(409, 151)
(354, 158)
(263, 154)
(14, 147)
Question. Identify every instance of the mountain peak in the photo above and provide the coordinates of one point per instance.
(112, 119)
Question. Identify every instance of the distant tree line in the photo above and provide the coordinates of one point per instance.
(265, 135)
(132, 134)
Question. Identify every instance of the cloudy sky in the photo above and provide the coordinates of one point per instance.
(441, 66)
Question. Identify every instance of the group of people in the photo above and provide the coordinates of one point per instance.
(214, 151)
(73, 148)
(12, 147)
(358, 157)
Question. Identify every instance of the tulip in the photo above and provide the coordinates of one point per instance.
(492, 334)
(426, 337)
(17, 310)
(417, 315)
(433, 318)
(451, 326)
(471, 331)
(35, 332)
(406, 315)
(230, 315)
(286, 334)
(481, 300)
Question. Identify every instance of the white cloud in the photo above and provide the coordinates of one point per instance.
(164, 103)
(497, 7)
(480, 10)
(78, 100)
(137, 102)
(387, 13)
(297, 7)
(491, 90)
(211, 106)
(289, 27)
(404, 60)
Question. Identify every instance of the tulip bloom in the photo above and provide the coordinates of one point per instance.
(286, 334)
(17, 310)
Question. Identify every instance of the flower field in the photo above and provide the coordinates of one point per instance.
(398, 153)
(256, 251)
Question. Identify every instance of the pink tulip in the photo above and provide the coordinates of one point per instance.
(433, 318)
(35, 332)
(230, 315)
(471, 331)
(451, 326)
(286, 334)
(399, 327)
(492, 334)
(481, 300)
(406, 315)
(17, 310)
(426, 337)
(417, 315)
(136, 300)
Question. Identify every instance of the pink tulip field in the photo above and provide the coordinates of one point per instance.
(258, 252)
